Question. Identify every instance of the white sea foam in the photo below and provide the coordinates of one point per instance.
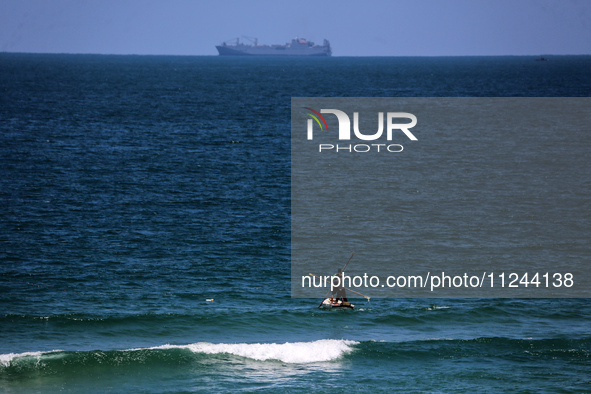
(434, 308)
(289, 352)
(294, 352)
(6, 359)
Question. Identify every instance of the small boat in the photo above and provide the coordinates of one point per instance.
(331, 303)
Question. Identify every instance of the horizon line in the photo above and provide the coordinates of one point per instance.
(283, 57)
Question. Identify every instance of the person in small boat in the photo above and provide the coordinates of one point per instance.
(340, 292)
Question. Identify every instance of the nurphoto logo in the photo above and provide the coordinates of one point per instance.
(344, 134)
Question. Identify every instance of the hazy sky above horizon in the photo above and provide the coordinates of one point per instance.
(354, 28)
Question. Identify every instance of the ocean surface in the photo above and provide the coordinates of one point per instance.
(133, 189)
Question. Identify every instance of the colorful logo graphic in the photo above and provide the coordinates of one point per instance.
(388, 124)
(316, 116)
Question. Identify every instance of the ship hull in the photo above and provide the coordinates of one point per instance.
(297, 47)
(270, 51)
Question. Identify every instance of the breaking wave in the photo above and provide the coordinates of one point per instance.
(57, 361)
(211, 355)
(296, 352)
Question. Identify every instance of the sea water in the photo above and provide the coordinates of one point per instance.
(145, 235)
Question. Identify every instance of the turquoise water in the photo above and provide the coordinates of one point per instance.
(134, 188)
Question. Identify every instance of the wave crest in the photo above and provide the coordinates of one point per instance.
(57, 360)
(295, 352)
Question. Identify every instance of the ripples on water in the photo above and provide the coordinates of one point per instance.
(133, 188)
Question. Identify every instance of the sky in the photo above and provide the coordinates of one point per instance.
(354, 28)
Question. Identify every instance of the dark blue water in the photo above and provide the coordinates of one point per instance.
(134, 188)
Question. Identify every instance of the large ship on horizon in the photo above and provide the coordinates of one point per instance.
(297, 47)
